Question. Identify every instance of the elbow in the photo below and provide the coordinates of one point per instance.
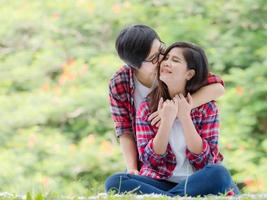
(160, 152)
(220, 90)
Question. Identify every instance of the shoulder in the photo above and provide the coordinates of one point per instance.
(120, 82)
(121, 76)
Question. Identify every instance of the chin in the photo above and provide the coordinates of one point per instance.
(164, 80)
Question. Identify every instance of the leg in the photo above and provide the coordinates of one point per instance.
(123, 182)
(212, 179)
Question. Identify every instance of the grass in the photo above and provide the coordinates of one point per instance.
(103, 196)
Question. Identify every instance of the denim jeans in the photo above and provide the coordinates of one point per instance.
(213, 179)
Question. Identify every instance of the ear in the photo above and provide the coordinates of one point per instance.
(190, 74)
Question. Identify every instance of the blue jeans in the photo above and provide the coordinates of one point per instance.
(213, 179)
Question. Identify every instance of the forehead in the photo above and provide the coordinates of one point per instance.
(176, 51)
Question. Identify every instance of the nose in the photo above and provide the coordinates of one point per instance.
(166, 63)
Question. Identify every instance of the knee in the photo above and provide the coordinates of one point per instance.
(221, 176)
(114, 181)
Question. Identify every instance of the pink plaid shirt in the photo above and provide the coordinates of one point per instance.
(121, 96)
(205, 119)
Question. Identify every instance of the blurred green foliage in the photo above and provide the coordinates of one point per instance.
(56, 58)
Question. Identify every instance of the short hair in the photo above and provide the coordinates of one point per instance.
(133, 44)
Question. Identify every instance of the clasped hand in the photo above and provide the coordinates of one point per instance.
(168, 110)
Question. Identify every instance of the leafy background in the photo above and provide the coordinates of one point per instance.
(56, 58)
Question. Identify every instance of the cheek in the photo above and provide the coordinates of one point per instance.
(151, 69)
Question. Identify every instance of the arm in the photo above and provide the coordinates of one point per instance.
(207, 94)
(192, 138)
(161, 139)
(152, 144)
(168, 114)
(145, 136)
(212, 91)
(129, 151)
(121, 118)
(209, 131)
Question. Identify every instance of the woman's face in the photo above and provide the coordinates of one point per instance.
(174, 72)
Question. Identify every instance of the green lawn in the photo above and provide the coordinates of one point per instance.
(103, 196)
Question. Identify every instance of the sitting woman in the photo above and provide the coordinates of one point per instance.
(181, 155)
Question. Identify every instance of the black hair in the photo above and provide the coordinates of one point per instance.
(196, 59)
(133, 44)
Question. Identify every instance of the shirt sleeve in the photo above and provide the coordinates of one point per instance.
(213, 78)
(119, 109)
(145, 135)
(209, 132)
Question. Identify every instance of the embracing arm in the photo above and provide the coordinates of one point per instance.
(207, 93)
(212, 91)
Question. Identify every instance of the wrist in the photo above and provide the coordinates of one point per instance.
(185, 118)
(166, 123)
(132, 165)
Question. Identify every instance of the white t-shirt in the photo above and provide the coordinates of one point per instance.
(140, 93)
(176, 138)
(177, 141)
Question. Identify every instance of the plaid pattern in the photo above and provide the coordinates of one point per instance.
(121, 96)
(205, 119)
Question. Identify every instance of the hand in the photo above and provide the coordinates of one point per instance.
(169, 111)
(155, 116)
(185, 105)
(133, 171)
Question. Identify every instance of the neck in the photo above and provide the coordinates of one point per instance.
(144, 79)
(175, 92)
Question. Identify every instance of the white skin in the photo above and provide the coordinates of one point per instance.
(146, 74)
(174, 73)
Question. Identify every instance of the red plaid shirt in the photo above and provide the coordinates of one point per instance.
(121, 96)
(205, 119)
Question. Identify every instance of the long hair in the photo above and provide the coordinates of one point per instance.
(196, 59)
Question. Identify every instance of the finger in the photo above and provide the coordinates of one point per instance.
(175, 100)
(175, 97)
(181, 96)
(155, 120)
(190, 99)
(160, 103)
(158, 124)
(153, 115)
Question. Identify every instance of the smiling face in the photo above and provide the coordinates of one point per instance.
(174, 71)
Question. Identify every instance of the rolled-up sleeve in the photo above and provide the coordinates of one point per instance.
(209, 133)
(213, 78)
(145, 135)
(119, 109)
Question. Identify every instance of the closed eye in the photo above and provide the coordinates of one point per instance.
(166, 58)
